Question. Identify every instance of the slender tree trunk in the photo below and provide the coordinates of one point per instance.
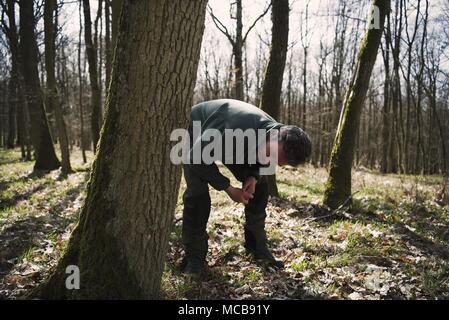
(433, 105)
(98, 45)
(96, 117)
(52, 94)
(272, 87)
(386, 108)
(321, 110)
(12, 107)
(80, 95)
(238, 53)
(40, 134)
(305, 46)
(121, 240)
(16, 82)
(289, 88)
(108, 46)
(410, 41)
(338, 187)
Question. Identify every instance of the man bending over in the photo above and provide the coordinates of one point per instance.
(291, 144)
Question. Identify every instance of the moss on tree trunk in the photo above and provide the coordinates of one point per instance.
(338, 186)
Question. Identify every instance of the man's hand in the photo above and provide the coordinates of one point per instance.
(238, 195)
(250, 185)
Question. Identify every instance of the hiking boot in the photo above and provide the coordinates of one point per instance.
(194, 268)
(263, 254)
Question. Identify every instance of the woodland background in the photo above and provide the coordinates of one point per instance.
(66, 66)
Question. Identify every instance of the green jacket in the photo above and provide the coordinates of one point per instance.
(228, 114)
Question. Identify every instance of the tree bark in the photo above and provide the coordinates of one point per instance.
(120, 242)
(116, 9)
(52, 94)
(272, 86)
(338, 187)
(40, 134)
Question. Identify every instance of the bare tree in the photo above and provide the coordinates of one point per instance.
(237, 42)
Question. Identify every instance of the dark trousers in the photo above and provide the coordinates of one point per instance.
(197, 204)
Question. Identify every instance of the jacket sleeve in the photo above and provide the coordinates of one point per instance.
(253, 171)
(212, 175)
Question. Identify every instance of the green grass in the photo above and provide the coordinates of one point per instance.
(37, 211)
(27, 255)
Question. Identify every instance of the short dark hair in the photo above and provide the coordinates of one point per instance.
(296, 144)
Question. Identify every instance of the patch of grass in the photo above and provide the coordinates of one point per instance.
(284, 195)
(27, 254)
(250, 276)
(436, 282)
(300, 266)
(341, 260)
(231, 241)
(5, 212)
(182, 287)
(274, 236)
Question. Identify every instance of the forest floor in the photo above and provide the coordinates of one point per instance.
(392, 244)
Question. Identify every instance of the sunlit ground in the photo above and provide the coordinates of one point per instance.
(392, 244)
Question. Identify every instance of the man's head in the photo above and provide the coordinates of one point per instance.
(294, 146)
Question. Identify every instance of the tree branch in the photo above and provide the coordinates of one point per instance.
(220, 26)
(255, 22)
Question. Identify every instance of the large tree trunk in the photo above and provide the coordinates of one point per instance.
(120, 242)
(52, 95)
(96, 118)
(40, 134)
(272, 86)
(338, 187)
